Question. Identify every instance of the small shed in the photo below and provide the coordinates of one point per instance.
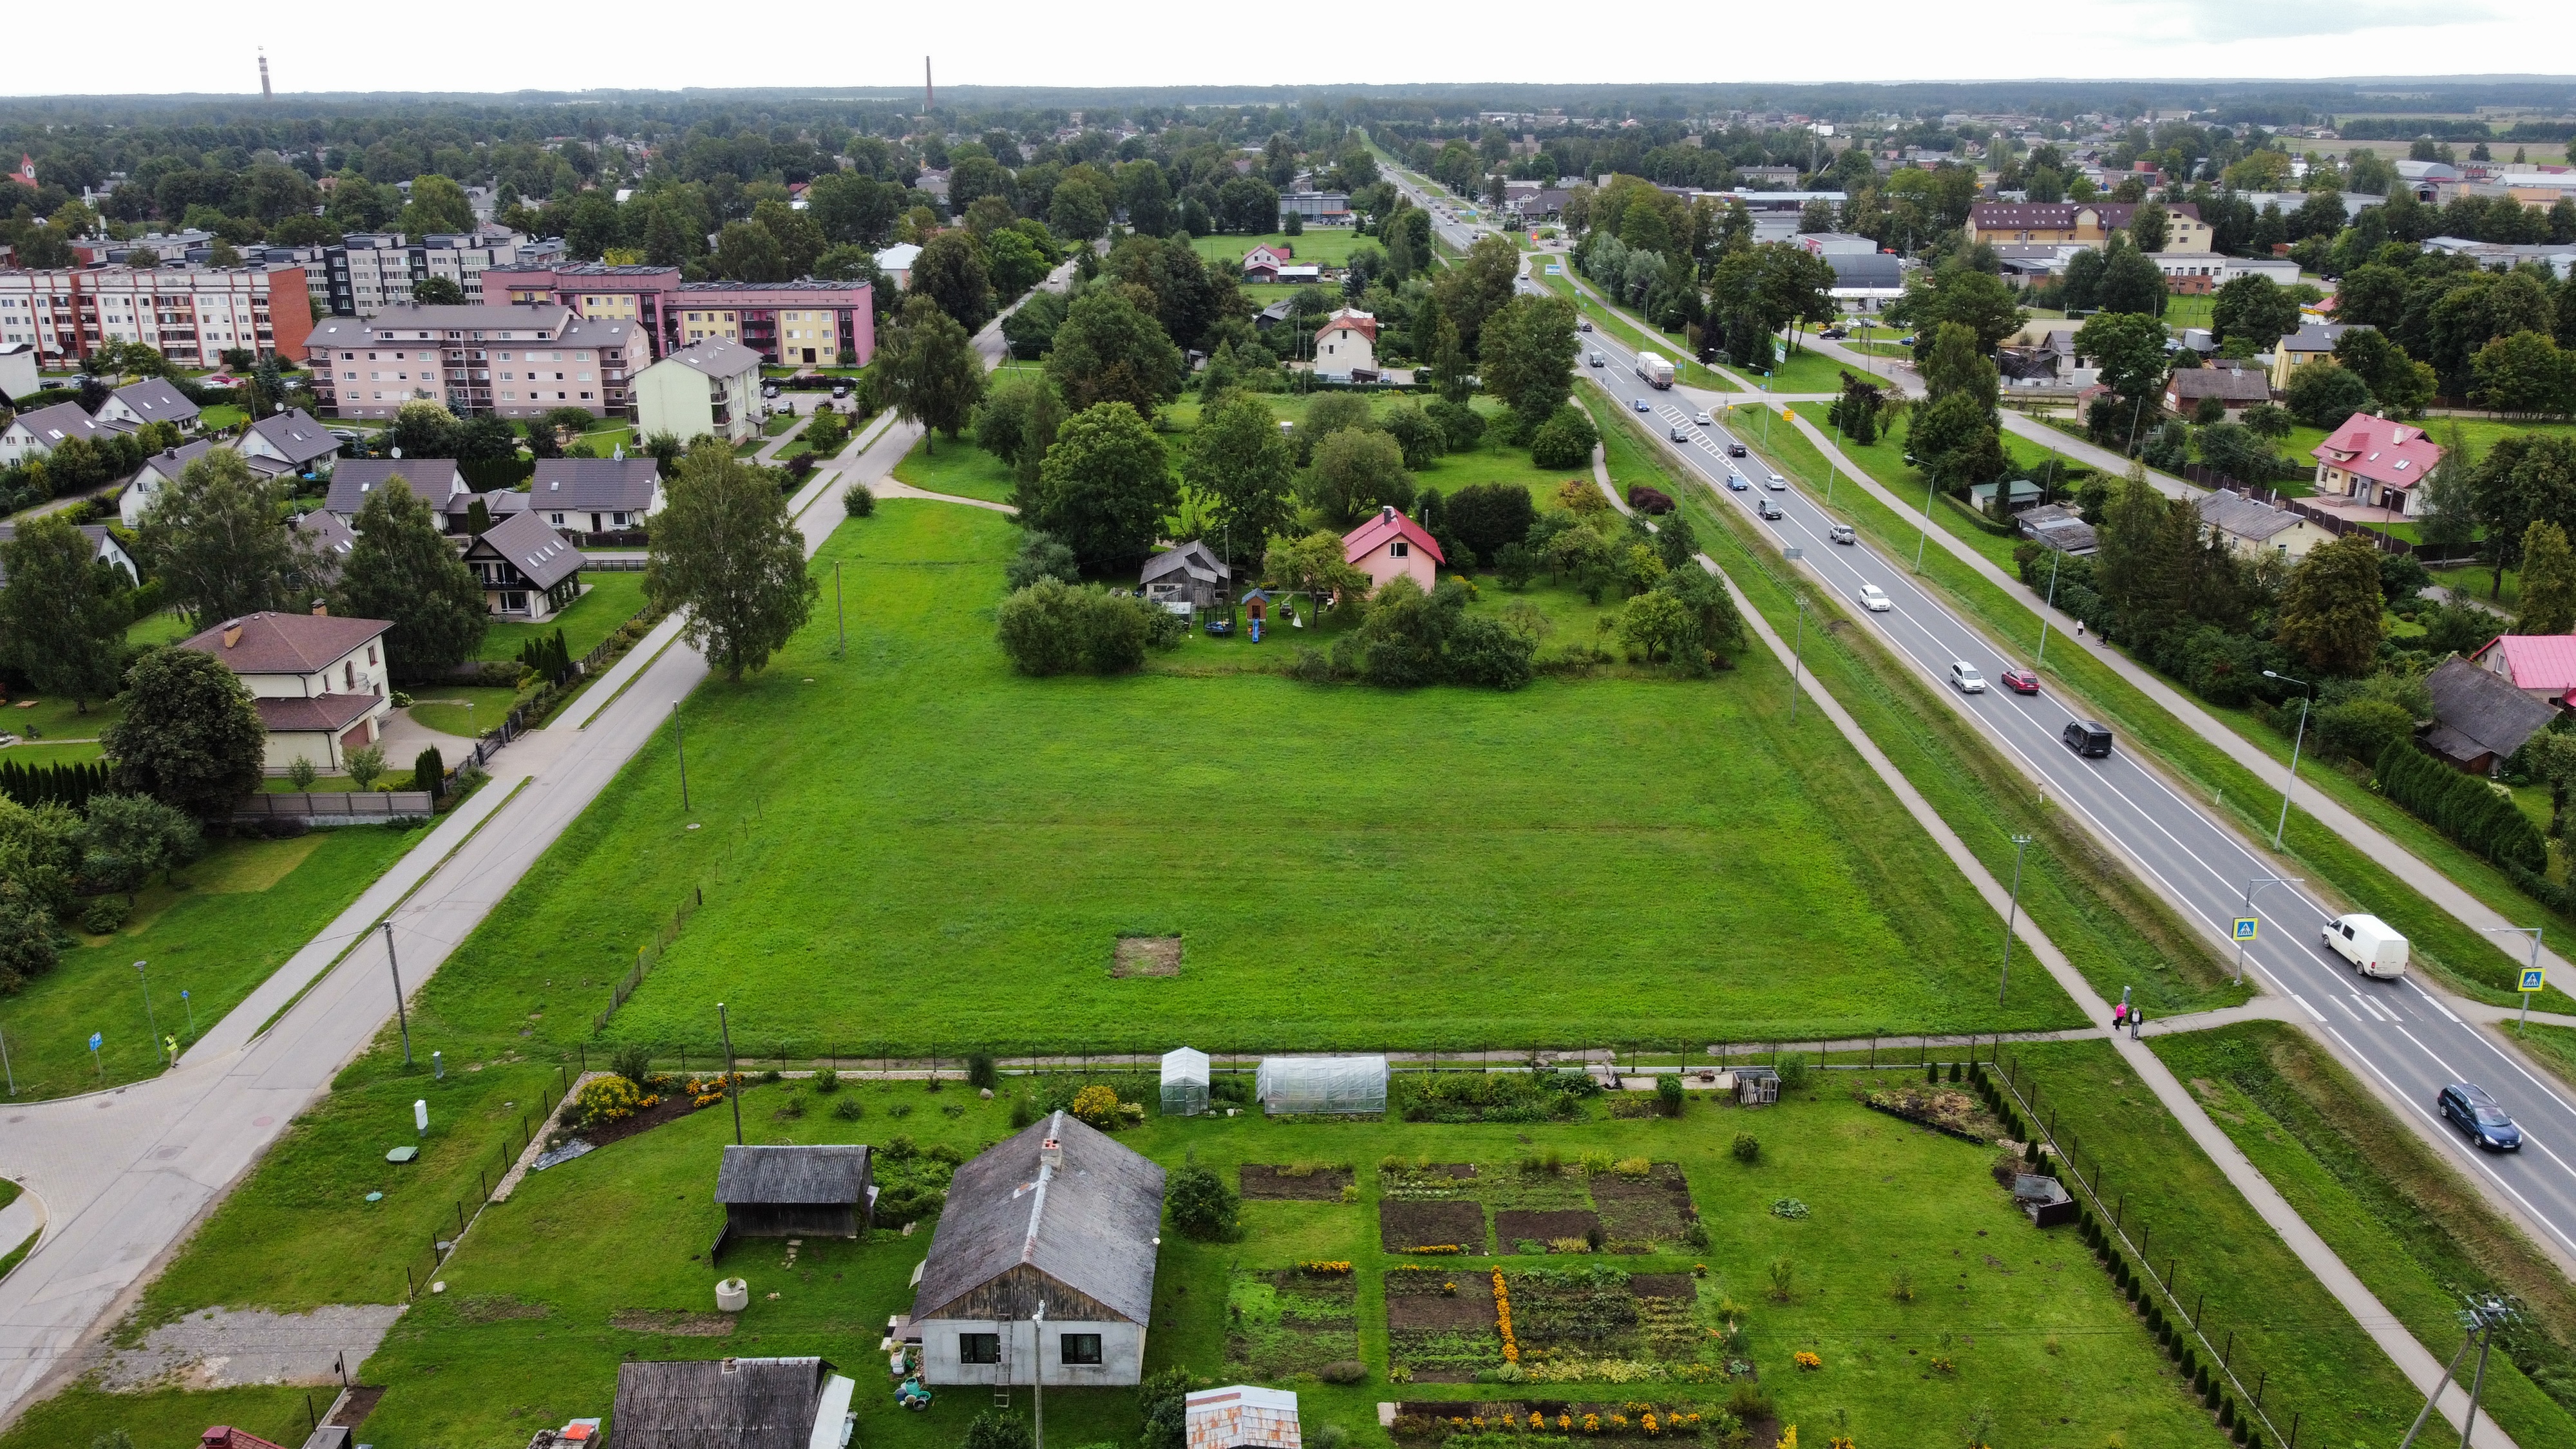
(1185, 1082)
(1292, 1086)
(1756, 1086)
(1240, 1416)
(796, 1192)
(2044, 1199)
(1187, 573)
(1256, 604)
(738, 1403)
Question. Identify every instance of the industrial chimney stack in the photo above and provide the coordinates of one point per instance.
(264, 92)
(929, 101)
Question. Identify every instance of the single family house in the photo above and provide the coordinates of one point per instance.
(2377, 463)
(2479, 718)
(733, 1403)
(437, 481)
(1240, 1416)
(595, 495)
(320, 682)
(529, 572)
(2236, 388)
(102, 546)
(289, 442)
(1346, 346)
(2540, 665)
(1042, 1268)
(158, 472)
(1188, 573)
(32, 435)
(331, 539)
(2313, 342)
(152, 400)
(1391, 546)
(2252, 526)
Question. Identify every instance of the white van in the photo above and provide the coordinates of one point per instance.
(2372, 946)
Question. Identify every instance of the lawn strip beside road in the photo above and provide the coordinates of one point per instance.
(2469, 963)
(612, 598)
(2416, 1232)
(2114, 930)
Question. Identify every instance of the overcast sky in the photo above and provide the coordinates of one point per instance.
(659, 44)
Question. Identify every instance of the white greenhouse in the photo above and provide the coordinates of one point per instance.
(1299, 1085)
(1185, 1082)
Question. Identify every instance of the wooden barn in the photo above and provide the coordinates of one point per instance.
(734, 1403)
(796, 1192)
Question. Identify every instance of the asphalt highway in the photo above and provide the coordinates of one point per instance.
(2401, 1032)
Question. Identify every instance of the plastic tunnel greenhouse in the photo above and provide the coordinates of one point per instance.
(1185, 1082)
(1293, 1085)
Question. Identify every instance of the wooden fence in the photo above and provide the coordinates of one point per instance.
(646, 958)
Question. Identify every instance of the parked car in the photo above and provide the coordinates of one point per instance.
(1874, 598)
(840, 389)
(2479, 1115)
(1835, 334)
(1965, 678)
(2371, 945)
(1775, 482)
(1735, 483)
(1735, 450)
(1765, 508)
(346, 435)
(769, 389)
(1702, 418)
(2089, 738)
(1842, 533)
(2020, 681)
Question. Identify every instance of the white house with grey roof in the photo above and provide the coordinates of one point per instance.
(103, 547)
(289, 442)
(438, 480)
(152, 400)
(710, 387)
(2253, 526)
(595, 495)
(34, 434)
(529, 572)
(1042, 1269)
(158, 472)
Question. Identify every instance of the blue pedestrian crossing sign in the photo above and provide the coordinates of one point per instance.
(2533, 978)
(94, 1040)
(2244, 928)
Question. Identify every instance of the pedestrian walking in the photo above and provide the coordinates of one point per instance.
(2137, 1019)
(2119, 1016)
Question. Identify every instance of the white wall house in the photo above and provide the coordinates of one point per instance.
(321, 683)
(708, 388)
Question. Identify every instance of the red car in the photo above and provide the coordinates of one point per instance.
(2021, 681)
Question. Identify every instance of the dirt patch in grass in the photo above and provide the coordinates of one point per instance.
(1473, 1307)
(1402, 1226)
(1441, 1325)
(677, 1323)
(1147, 956)
(669, 1109)
(497, 1308)
(355, 1408)
(1663, 1285)
(1943, 1109)
(1265, 1183)
(1653, 1209)
(1513, 1225)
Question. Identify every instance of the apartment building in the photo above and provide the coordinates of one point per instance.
(793, 324)
(516, 360)
(2086, 223)
(193, 314)
(370, 271)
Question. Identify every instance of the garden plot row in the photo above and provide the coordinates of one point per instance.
(1542, 1204)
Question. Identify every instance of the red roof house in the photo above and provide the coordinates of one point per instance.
(2377, 463)
(1392, 545)
(2540, 665)
(1346, 346)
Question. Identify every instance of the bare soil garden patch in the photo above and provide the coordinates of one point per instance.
(678, 1323)
(1514, 1226)
(1636, 1212)
(1943, 1109)
(1294, 1183)
(1146, 956)
(1441, 1323)
(1410, 1226)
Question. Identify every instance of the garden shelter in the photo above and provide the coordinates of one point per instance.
(1240, 1416)
(1291, 1086)
(739, 1403)
(1756, 1086)
(820, 1191)
(1185, 1082)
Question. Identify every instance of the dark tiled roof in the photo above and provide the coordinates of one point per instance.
(50, 426)
(729, 1403)
(2481, 710)
(536, 551)
(2227, 384)
(1089, 1224)
(321, 712)
(295, 434)
(594, 484)
(170, 462)
(792, 1175)
(156, 401)
(434, 479)
(272, 643)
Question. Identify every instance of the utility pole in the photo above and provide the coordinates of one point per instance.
(2481, 1318)
(148, 1013)
(1798, 662)
(724, 1028)
(2044, 612)
(400, 1017)
(680, 732)
(2012, 917)
(2300, 739)
(1037, 1376)
(1929, 483)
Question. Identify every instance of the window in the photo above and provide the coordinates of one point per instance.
(979, 1348)
(1079, 1348)
(1399, 549)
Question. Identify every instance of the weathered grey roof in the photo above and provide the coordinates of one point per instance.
(2475, 711)
(49, 426)
(594, 484)
(726, 1403)
(296, 436)
(2059, 527)
(1089, 1224)
(1867, 269)
(433, 479)
(2228, 384)
(789, 1175)
(328, 532)
(2319, 336)
(1194, 558)
(156, 400)
(171, 462)
(2247, 518)
(716, 357)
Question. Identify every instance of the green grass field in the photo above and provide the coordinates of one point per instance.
(443, 707)
(1652, 831)
(610, 598)
(2032, 1327)
(50, 717)
(957, 468)
(167, 626)
(245, 909)
(2392, 1208)
(1329, 245)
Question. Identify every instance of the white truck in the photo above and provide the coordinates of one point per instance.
(2372, 946)
(1654, 369)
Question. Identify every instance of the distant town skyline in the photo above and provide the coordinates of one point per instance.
(665, 46)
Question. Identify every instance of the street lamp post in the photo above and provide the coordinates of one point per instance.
(2041, 661)
(2012, 917)
(724, 1027)
(401, 1018)
(2296, 741)
(1798, 660)
(1929, 483)
(2534, 933)
(2251, 886)
(148, 1013)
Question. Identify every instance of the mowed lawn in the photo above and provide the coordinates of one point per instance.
(610, 599)
(245, 908)
(917, 848)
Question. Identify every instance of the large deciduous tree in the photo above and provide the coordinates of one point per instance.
(927, 369)
(63, 611)
(1106, 486)
(402, 569)
(190, 736)
(725, 550)
(1528, 352)
(2255, 308)
(1106, 350)
(1238, 461)
(2331, 607)
(217, 543)
(950, 271)
(2548, 582)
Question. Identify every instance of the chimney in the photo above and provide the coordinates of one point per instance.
(232, 633)
(1386, 512)
(1051, 1153)
(320, 608)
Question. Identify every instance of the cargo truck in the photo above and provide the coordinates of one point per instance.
(1654, 369)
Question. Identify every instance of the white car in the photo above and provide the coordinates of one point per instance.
(1701, 417)
(1875, 599)
(1965, 678)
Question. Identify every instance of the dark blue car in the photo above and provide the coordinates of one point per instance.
(2474, 1112)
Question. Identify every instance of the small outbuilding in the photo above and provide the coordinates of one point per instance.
(733, 1403)
(1185, 1082)
(1301, 1086)
(1240, 1416)
(1186, 573)
(1756, 1086)
(2479, 719)
(796, 1192)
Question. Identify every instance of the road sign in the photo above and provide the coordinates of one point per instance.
(2533, 978)
(94, 1040)
(1779, 349)
(2245, 928)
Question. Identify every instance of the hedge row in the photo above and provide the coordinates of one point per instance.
(2462, 807)
(68, 785)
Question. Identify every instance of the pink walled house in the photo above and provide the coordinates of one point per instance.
(2376, 463)
(1390, 546)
